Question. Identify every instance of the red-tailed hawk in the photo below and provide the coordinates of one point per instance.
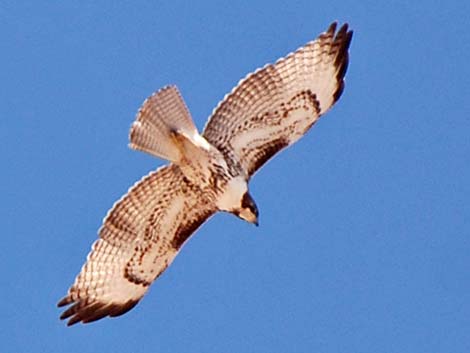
(267, 111)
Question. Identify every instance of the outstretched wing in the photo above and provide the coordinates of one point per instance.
(276, 105)
(139, 238)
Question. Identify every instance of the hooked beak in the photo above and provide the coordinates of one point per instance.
(248, 216)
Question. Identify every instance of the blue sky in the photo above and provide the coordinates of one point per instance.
(363, 244)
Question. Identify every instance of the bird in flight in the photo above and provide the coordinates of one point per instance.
(267, 111)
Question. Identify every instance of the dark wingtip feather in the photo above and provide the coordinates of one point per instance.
(72, 310)
(332, 28)
(64, 301)
(120, 309)
(96, 315)
(343, 38)
(343, 29)
(339, 91)
(73, 320)
(88, 312)
(85, 313)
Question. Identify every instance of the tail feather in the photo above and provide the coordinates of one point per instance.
(158, 119)
(147, 138)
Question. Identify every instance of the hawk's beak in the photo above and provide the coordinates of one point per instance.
(248, 210)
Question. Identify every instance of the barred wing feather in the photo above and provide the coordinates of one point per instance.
(140, 237)
(274, 106)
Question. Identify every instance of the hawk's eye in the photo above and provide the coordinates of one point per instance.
(246, 200)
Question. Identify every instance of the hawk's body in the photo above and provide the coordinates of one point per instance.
(267, 111)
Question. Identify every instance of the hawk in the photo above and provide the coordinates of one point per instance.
(267, 111)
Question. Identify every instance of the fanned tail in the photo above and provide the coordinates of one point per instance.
(162, 115)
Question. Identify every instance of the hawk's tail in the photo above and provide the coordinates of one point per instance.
(162, 116)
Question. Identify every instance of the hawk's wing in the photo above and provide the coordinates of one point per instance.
(139, 238)
(274, 106)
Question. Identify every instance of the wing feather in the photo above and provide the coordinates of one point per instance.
(276, 105)
(140, 237)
